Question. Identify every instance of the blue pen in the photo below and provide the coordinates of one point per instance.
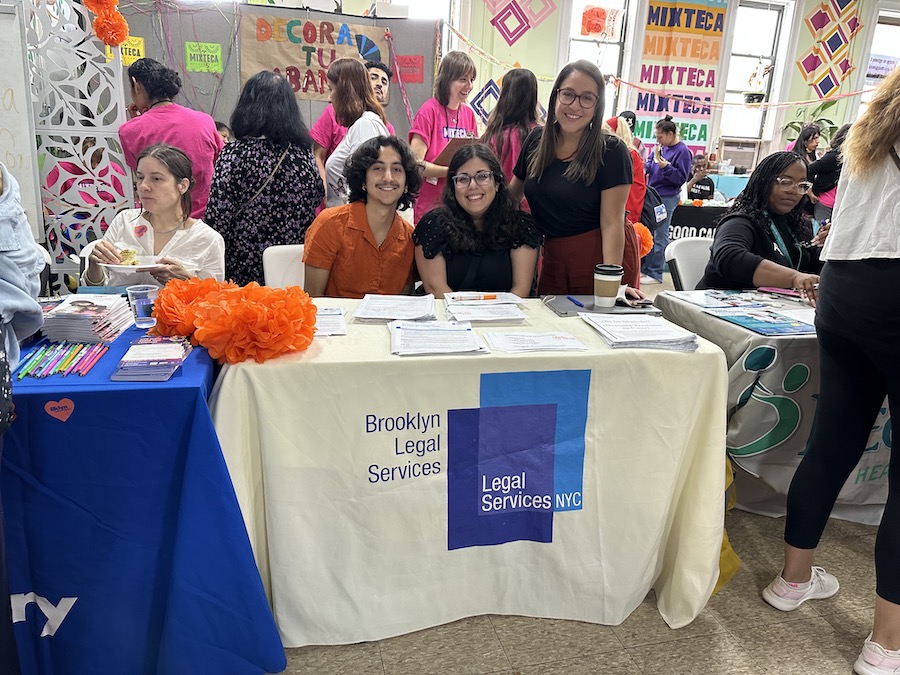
(575, 301)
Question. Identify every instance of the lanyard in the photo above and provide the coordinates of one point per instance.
(782, 247)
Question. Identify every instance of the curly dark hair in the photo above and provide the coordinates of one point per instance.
(267, 107)
(753, 201)
(367, 154)
(501, 217)
(158, 81)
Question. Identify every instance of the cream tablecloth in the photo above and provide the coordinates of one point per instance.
(356, 544)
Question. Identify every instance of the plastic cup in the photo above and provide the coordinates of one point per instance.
(607, 279)
(142, 299)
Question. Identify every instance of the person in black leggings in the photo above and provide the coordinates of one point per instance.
(858, 327)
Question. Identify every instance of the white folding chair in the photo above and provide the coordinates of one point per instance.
(687, 259)
(283, 266)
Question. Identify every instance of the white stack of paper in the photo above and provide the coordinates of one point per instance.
(641, 331)
(475, 298)
(384, 308)
(715, 299)
(330, 321)
(534, 342)
(90, 318)
(409, 338)
(494, 313)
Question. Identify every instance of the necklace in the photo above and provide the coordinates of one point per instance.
(157, 232)
(159, 102)
(569, 158)
(453, 121)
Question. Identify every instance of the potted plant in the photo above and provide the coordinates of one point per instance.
(806, 116)
(756, 85)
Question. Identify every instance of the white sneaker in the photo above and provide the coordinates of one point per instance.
(788, 596)
(876, 660)
(647, 280)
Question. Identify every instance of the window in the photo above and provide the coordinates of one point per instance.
(606, 49)
(885, 54)
(753, 52)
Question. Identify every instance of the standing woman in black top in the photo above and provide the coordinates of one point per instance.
(477, 240)
(577, 179)
(807, 142)
(761, 239)
(825, 173)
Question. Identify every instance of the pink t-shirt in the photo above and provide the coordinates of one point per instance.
(512, 147)
(191, 131)
(437, 125)
(329, 134)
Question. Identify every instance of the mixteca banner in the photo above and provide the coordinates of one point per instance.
(682, 46)
(302, 49)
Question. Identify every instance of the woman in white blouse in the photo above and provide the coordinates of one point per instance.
(182, 246)
(356, 108)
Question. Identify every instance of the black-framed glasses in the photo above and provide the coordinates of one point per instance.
(788, 184)
(462, 180)
(586, 100)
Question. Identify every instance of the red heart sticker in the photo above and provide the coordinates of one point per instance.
(140, 230)
(61, 409)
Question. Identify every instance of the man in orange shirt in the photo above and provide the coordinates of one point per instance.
(364, 246)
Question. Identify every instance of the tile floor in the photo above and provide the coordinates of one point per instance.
(737, 633)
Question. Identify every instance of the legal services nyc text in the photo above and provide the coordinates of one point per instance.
(498, 493)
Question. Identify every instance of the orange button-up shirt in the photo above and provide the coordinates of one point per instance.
(341, 240)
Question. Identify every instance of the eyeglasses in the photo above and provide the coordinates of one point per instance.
(787, 184)
(585, 100)
(462, 180)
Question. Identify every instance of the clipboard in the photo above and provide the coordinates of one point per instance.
(563, 306)
(443, 159)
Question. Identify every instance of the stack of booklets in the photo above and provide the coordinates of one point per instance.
(769, 322)
(494, 313)
(641, 331)
(411, 338)
(152, 359)
(90, 319)
(384, 308)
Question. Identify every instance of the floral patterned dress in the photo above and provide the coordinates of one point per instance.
(280, 214)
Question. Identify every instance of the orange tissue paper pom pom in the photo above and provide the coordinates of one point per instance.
(99, 7)
(111, 27)
(254, 322)
(174, 310)
(645, 237)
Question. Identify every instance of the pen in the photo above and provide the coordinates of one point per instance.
(475, 296)
(575, 301)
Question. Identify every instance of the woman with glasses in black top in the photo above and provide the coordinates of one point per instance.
(477, 240)
(763, 239)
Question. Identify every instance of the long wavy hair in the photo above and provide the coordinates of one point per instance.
(501, 217)
(753, 201)
(872, 135)
(351, 93)
(517, 108)
(589, 156)
(267, 107)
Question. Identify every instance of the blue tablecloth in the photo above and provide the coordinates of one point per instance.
(122, 525)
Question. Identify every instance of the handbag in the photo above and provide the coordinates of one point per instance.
(264, 185)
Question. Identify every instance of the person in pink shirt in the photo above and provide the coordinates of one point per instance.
(156, 119)
(328, 134)
(440, 119)
(511, 120)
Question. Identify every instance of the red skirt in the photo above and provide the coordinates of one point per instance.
(568, 262)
